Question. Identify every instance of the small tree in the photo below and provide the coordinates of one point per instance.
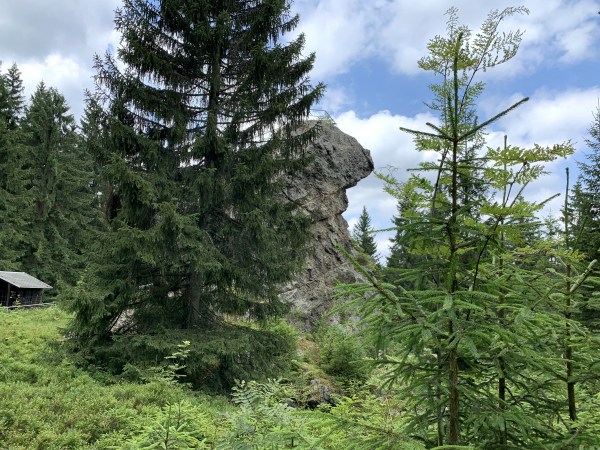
(362, 234)
(458, 61)
(472, 345)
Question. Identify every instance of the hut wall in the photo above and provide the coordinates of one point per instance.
(4, 293)
(30, 296)
(11, 295)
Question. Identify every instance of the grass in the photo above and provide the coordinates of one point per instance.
(48, 403)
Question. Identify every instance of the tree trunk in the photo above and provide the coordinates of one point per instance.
(438, 398)
(569, 352)
(454, 433)
(194, 290)
(568, 347)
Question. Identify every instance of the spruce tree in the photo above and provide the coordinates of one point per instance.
(198, 128)
(405, 250)
(586, 197)
(362, 234)
(15, 98)
(14, 197)
(474, 355)
(584, 210)
(61, 212)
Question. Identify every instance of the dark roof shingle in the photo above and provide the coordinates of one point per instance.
(23, 280)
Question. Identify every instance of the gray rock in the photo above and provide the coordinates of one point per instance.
(339, 163)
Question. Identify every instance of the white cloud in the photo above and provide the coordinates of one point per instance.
(344, 32)
(380, 134)
(55, 41)
(389, 147)
(335, 99)
(338, 30)
(548, 118)
(34, 29)
(557, 32)
(578, 43)
(552, 117)
(54, 70)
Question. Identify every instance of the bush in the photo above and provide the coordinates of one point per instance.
(46, 402)
(342, 354)
(216, 356)
(263, 419)
(178, 425)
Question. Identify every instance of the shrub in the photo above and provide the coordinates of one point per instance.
(216, 357)
(342, 354)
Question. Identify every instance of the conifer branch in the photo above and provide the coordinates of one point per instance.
(493, 119)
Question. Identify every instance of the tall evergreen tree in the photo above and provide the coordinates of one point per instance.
(199, 126)
(586, 196)
(15, 98)
(13, 177)
(405, 249)
(584, 214)
(61, 211)
(362, 234)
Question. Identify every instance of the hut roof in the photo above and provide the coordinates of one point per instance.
(23, 280)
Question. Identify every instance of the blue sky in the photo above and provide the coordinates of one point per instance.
(367, 53)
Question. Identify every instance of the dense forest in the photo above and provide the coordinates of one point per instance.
(159, 220)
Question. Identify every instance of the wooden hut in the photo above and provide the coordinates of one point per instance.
(20, 288)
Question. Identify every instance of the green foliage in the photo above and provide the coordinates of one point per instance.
(14, 104)
(215, 356)
(363, 421)
(46, 202)
(46, 402)
(583, 214)
(586, 198)
(404, 252)
(189, 140)
(14, 178)
(176, 426)
(342, 354)
(171, 374)
(263, 420)
(362, 234)
(471, 321)
(62, 208)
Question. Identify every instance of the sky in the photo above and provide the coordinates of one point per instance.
(367, 54)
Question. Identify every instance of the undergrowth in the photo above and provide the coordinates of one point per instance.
(48, 402)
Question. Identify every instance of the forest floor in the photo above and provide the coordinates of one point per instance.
(48, 402)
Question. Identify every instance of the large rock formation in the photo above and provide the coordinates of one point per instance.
(339, 163)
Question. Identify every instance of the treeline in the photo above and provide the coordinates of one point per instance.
(47, 203)
(160, 219)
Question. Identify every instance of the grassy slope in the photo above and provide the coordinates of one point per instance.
(47, 403)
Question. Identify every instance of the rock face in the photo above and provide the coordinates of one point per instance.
(339, 163)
